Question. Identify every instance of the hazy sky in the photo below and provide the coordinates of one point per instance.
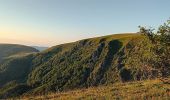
(52, 22)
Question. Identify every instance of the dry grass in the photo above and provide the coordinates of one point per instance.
(145, 90)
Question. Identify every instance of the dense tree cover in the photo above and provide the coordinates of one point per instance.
(16, 68)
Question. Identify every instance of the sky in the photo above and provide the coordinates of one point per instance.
(53, 22)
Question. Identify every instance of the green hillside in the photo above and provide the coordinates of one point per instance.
(86, 63)
(7, 50)
(14, 63)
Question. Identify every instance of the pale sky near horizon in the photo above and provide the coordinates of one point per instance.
(53, 22)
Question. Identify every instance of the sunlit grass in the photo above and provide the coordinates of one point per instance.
(147, 90)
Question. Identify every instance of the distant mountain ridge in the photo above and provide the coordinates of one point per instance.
(7, 50)
(40, 48)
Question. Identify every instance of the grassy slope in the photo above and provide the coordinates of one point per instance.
(148, 89)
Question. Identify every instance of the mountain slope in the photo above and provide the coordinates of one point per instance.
(12, 59)
(15, 68)
(7, 50)
(86, 63)
(80, 64)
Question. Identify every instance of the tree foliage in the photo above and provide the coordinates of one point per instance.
(161, 46)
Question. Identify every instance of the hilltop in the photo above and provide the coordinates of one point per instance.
(86, 63)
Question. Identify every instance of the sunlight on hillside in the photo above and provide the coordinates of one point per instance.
(149, 89)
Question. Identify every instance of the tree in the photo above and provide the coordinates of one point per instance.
(161, 46)
(148, 32)
(163, 43)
